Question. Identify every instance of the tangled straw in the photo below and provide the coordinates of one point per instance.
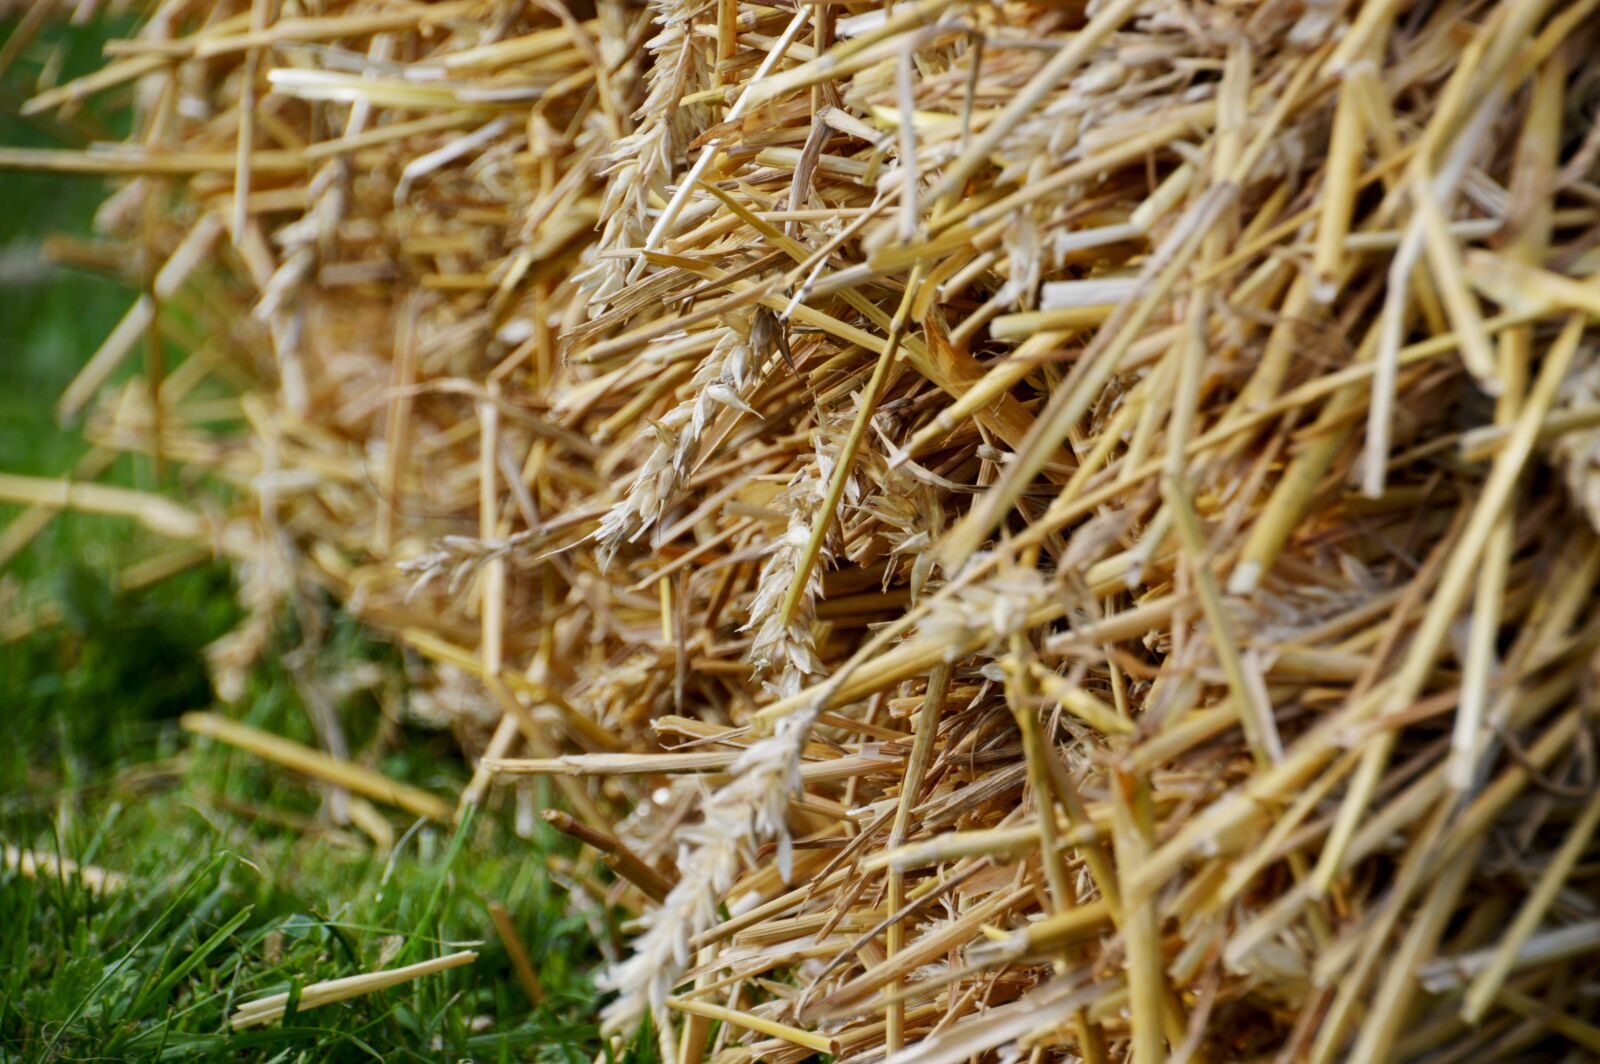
(1064, 530)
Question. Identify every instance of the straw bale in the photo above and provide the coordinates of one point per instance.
(1018, 529)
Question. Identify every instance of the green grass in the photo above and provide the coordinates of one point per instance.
(51, 324)
(225, 902)
(238, 885)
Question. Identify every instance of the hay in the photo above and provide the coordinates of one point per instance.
(1023, 526)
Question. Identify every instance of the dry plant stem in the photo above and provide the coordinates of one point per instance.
(1536, 161)
(27, 525)
(429, 644)
(617, 855)
(1254, 717)
(994, 384)
(952, 371)
(845, 462)
(1063, 895)
(708, 155)
(34, 18)
(1488, 983)
(1580, 1031)
(1295, 488)
(1396, 990)
(520, 962)
(259, 14)
(1141, 936)
(184, 260)
(1332, 1032)
(1374, 755)
(314, 763)
(1428, 191)
(491, 608)
(1454, 583)
(1338, 199)
(1445, 258)
(910, 790)
(397, 435)
(177, 164)
(1069, 403)
(1105, 22)
(157, 513)
(539, 742)
(814, 1042)
(271, 1008)
(1070, 505)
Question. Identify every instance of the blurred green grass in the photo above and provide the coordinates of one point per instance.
(238, 886)
(52, 320)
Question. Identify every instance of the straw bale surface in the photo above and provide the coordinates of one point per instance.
(1060, 530)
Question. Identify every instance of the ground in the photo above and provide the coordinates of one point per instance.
(236, 884)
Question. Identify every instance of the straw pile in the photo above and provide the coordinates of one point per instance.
(1052, 530)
